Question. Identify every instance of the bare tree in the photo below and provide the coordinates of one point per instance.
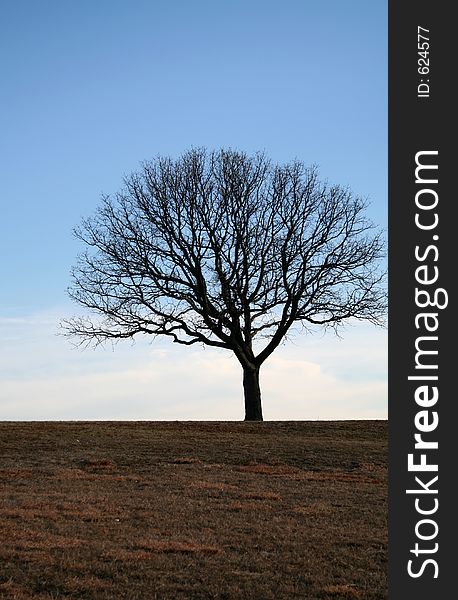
(227, 250)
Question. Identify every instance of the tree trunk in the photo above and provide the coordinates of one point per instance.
(253, 409)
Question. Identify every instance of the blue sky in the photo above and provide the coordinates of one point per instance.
(89, 90)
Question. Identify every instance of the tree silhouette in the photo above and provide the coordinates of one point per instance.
(228, 250)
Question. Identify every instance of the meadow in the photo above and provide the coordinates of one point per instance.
(193, 510)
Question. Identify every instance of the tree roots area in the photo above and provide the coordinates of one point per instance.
(175, 510)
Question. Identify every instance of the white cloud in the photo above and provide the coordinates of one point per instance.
(43, 377)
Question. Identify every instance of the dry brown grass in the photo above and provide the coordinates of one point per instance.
(144, 511)
(342, 591)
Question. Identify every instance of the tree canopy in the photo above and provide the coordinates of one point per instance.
(228, 250)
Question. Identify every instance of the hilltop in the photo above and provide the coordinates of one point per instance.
(175, 510)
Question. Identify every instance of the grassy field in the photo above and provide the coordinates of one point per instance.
(193, 510)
